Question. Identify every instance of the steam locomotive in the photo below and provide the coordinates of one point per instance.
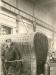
(33, 49)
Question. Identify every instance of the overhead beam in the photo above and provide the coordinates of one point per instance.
(45, 2)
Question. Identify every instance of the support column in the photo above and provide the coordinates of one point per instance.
(34, 20)
(17, 17)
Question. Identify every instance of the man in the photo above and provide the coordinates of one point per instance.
(11, 55)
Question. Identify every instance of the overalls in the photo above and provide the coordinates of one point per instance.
(12, 66)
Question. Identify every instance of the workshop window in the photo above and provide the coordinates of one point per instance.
(4, 30)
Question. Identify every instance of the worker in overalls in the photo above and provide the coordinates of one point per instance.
(12, 59)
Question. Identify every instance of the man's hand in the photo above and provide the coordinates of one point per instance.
(5, 60)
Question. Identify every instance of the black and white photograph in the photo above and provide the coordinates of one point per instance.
(27, 37)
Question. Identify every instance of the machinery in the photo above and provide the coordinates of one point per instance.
(33, 49)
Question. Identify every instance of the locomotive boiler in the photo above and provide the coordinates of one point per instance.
(33, 48)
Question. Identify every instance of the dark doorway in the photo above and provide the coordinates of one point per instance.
(41, 50)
